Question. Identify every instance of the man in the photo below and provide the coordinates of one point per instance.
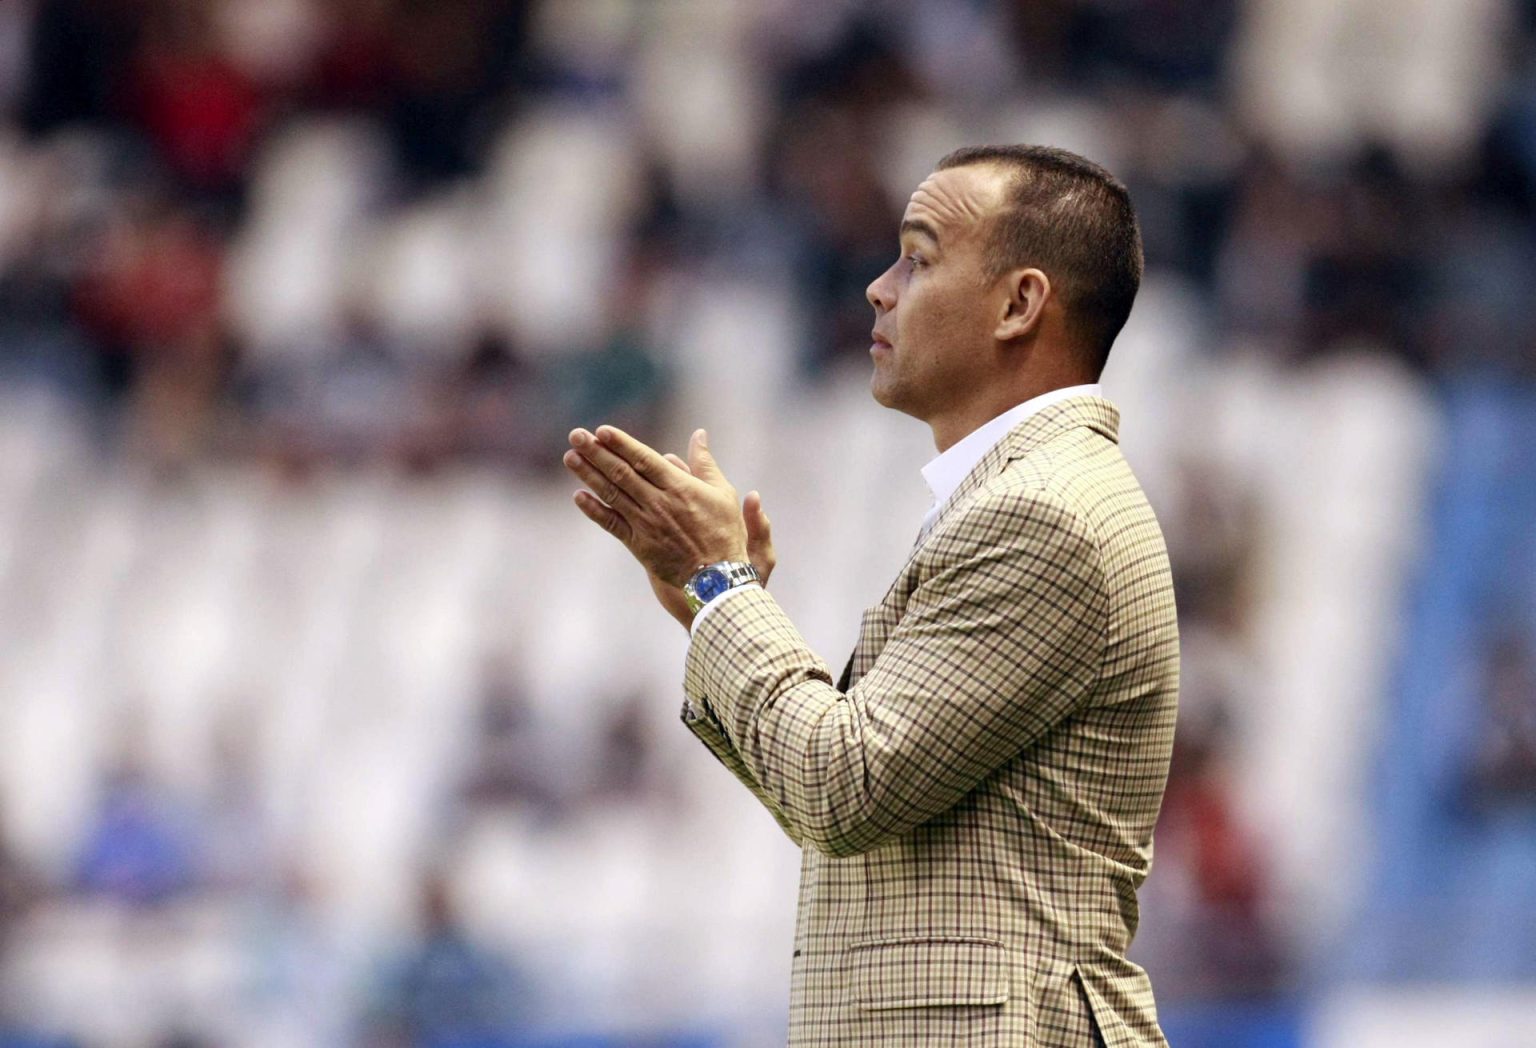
(975, 796)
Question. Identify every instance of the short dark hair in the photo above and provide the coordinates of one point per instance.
(1071, 218)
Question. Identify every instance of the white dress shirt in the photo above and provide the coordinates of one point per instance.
(944, 473)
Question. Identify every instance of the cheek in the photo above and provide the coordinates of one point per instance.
(914, 309)
(961, 307)
(927, 315)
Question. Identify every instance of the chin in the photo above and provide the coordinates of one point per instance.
(881, 391)
(892, 399)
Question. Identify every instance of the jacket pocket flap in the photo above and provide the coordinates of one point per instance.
(933, 970)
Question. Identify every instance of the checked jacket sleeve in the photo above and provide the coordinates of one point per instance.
(1000, 639)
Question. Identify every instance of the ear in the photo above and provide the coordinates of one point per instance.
(1028, 291)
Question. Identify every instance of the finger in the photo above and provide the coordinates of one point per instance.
(605, 489)
(677, 461)
(643, 459)
(616, 469)
(700, 462)
(604, 516)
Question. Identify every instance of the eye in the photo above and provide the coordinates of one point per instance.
(916, 261)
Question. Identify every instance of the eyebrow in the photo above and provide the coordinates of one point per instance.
(917, 225)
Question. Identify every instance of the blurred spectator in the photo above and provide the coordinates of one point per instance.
(1222, 942)
(497, 400)
(141, 848)
(624, 758)
(150, 300)
(81, 51)
(300, 986)
(1366, 279)
(445, 990)
(197, 107)
(21, 888)
(619, 380)
(1183, 164)
(452, 71)
(1154, 44)
(347, 401)
(1213, 894)
(355, 65)
(1502, 771)
(1262, 264)
(1213, 551)
(40, 340)
(510, 768)
(824, 172)
(845, 220)
(150, 295)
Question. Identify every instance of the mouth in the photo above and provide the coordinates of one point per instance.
(878, 342)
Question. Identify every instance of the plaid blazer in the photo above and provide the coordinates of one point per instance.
(975, 798)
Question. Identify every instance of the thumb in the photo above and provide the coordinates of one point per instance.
(700, 461)
(759, 535)
(678, 462)
(756, 517)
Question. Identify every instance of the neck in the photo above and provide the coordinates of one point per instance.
(954, 426)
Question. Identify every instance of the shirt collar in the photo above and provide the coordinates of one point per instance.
(945, 472)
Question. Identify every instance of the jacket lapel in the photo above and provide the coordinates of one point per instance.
(1096, 413)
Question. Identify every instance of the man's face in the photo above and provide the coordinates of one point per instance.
(934, 307)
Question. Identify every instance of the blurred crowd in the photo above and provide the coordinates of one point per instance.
(336, 229)
(277, 274)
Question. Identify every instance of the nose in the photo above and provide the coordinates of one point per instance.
(881, 292)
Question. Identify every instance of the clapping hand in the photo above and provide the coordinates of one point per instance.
(673, 515)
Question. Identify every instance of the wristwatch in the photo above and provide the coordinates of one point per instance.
(714, 579)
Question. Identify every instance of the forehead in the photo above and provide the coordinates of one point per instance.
(957, 198)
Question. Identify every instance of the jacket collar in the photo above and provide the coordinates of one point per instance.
(1096, 413)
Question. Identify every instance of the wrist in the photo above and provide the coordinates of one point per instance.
(714, 606)
(712, 581)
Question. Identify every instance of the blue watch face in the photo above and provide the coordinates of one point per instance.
(710, 583)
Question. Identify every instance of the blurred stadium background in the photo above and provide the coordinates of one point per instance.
(326, 720)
